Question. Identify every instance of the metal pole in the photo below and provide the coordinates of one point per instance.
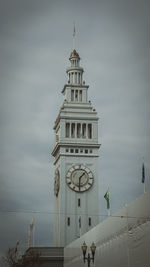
(33, 235)
(144, 188)
(88, 259)
(127, 227)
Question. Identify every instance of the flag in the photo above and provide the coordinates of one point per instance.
(31, 225)
(143, 174)
(74, 31)
(29, 233)
(106, 196)
(80, 222)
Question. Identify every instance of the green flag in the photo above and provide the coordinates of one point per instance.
(106, 196)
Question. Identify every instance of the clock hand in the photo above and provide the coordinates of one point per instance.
(80, 180)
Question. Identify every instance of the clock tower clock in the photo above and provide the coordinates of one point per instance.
(76, 202)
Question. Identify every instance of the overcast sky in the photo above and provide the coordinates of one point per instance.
(113, 41)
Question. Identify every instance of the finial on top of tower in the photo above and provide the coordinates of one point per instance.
(74, 54)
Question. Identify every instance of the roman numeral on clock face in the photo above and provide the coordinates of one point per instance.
(79, 178)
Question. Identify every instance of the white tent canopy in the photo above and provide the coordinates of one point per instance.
(123, 239)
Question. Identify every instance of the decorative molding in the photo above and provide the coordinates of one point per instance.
(75, 145)
(76, 156)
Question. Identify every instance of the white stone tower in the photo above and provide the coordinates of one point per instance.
(76, 160)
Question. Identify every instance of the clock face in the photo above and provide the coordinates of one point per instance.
(79, 178)
(56, 182)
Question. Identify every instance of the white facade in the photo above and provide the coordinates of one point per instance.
(76, 159)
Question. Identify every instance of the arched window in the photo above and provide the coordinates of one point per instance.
(79, 78)
(67, 129)
(80, 95)
(90, 130)
(76, 95)
(84, 130)
(73, 130)
(71, 77)
(75, 77)
(78, 130)
(68, 221)
(72, 95)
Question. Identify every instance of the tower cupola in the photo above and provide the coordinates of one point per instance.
(75, 72)
(74, 58)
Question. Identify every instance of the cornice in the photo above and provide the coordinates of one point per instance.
(76, 113)
(76, 155)
(74, 68)
(74, 145)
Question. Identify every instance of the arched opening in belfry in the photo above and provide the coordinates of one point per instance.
(84, 130)
(79, 78)
(72, 95)
(73, 130)
(90, 130)
(75, 77)
(80, 95)
(67, 129)
(78, 130)
(76, 95)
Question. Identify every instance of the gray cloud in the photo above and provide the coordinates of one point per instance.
(113, 40)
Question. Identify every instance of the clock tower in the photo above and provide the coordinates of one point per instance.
(76, 199)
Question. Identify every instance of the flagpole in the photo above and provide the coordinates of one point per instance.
(127, 227)
(33, 234)
(109, 204)
(144, 188)
(29, 238)
(73, 42)
(31, 230)
(80, 232)
(74, 33)
(80, 226)
(106, 196)
(79, 221)
(143, 176)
